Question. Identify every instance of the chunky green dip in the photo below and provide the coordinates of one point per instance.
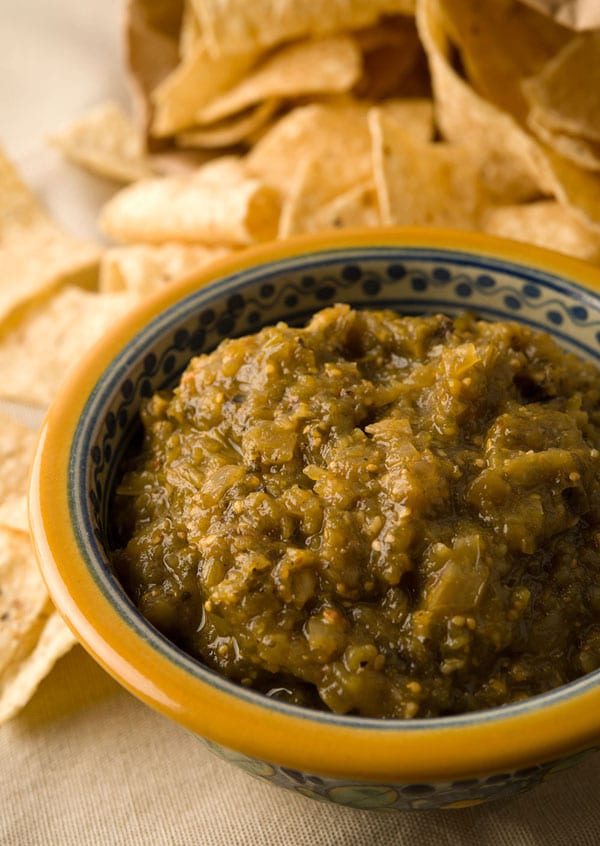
(387, 516)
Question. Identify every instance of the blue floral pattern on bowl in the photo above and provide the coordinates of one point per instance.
(401, 797)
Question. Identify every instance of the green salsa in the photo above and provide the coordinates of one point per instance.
(375, 514)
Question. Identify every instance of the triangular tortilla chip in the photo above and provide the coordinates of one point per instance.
(335, 133)
(54, 331)
(195, 81)
(512, 163)
(325, 66)
(13, 513)
(546, 223)
(17, 443)
(22, 593)
(47, 641)
(35, 255)
(583, 152)
(231, 26)
(303, 211)
(106, 143)
(567, 89)
(422, 183)
(501, 43)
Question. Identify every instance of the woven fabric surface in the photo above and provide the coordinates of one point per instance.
(86, 763)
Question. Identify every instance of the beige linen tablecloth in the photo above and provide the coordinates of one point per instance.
(85, 763)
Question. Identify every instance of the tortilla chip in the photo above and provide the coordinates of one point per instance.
(580, 151)
(193, 83)
(231, 26)
(106, 143)
(143, 269)
(302, 211)
(54, 332)
(502, 43)
(325, 66)
(232, 131)
(422, 183)
(48, 640)
(13, 513)
(335, 133)
(546, 223)
(357, 207)
(17, 443)
(512, 164)
(577, 189)
(218, 205)
(566, 91)
(35, 255)
(22, 593)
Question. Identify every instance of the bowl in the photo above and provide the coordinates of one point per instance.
(362, 762)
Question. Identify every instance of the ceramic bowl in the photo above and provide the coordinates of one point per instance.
(367, 763)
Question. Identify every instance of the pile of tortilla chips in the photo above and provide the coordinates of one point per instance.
(260, 120)
(49, 311)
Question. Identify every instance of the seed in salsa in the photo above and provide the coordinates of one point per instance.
(380, 515)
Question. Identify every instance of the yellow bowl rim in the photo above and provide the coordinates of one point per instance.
(541, 729)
